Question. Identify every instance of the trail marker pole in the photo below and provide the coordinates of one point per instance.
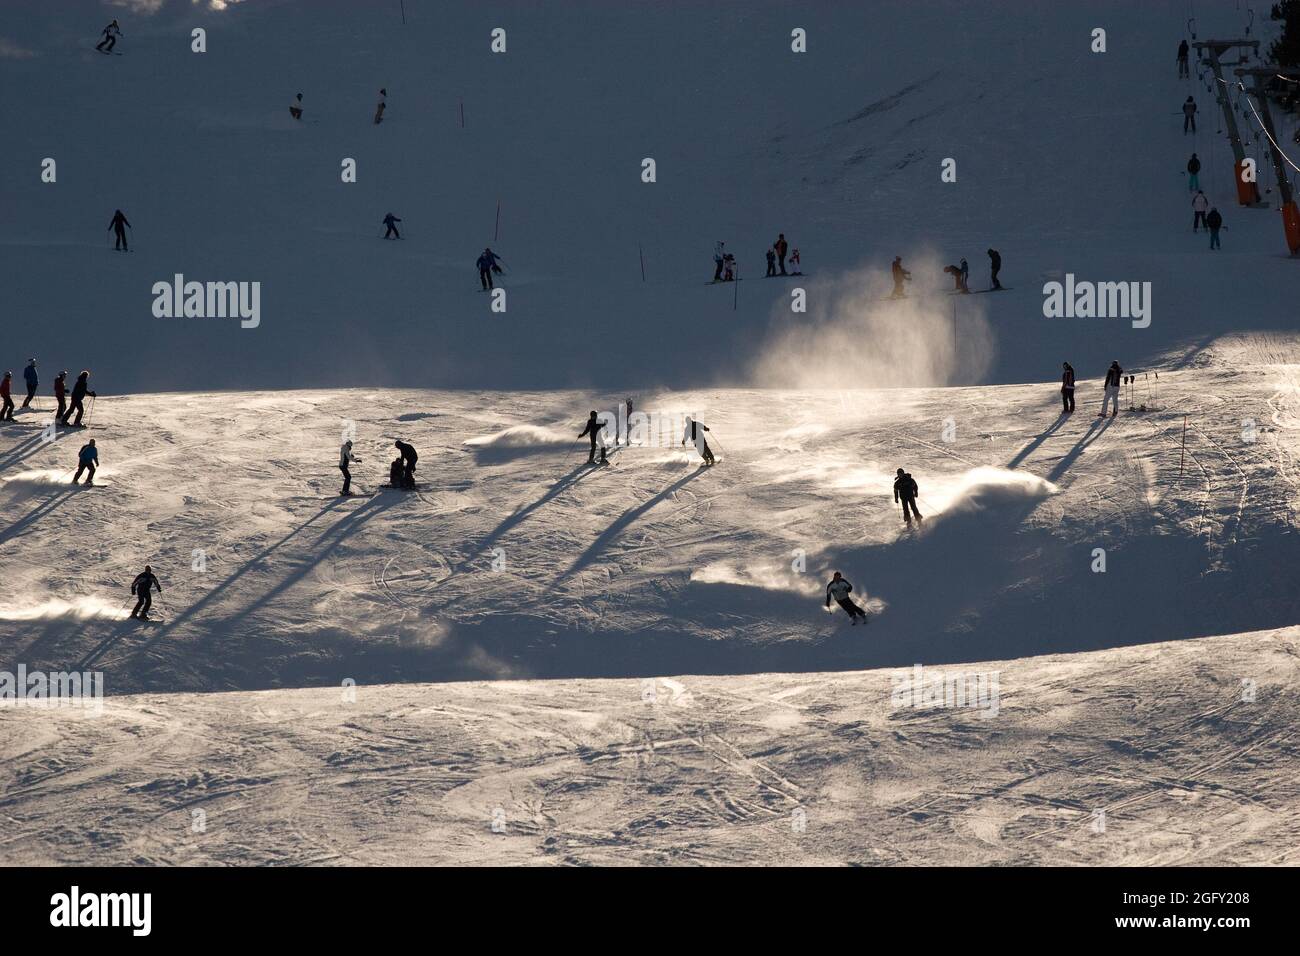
(641, 254)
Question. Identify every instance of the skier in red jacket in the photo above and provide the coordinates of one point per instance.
(7, 407)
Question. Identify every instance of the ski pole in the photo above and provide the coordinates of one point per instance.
(91, 413)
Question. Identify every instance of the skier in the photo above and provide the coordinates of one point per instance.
(111, 33)
(906, 491)
(719, 252)
(900, 274)
(955, 272)
(839, 588)
(29, 375)
(728, 267)
(594, 430)
(383, 105)
(391, 230)
(781, 246)
(693, 434)
(965, 277)
(1189, 115)
(995, 264)
(1199, 206)
(1193, 179)
(1182, 60)
(395, 470)
(796, 267)
(79, 393)
(7, 406)
(771, 262)
(345, 457)
(295, 107)
(60, 389)
(487, 264)
(118, 224)
(1214, 222)
(409, 458)
(87, 460)
(142, 587)
(1114, 375)
(1067, 388)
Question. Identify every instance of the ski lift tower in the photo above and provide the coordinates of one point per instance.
(1290, 215)
(1210, 51)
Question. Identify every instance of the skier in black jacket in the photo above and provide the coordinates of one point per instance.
(1215, 222)
(142, 588)
(1114, 377)
(906, 491)
(1182, 60)
(409, 458)
(79, 393)
(593, 429)
(692, 433)
(1067, 388)
(839, 588)
(118, 224)
(995, 263)
(391, 230)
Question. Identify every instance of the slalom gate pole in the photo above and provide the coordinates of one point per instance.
(1157, 388)
(641, 254)
(1183, 459)
(496, 232)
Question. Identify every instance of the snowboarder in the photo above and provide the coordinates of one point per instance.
(487, 264)
(1199, 206)
(995, 264)
(771, 262)
(1189, 115)
(1067, 388)
(409, 458)
(900, 275)
(345, 458)
(395, 470)
(839, 588)
(965, 276)
(796, 267)
(1182, 60)
(594, 429)
(7, 405)
(391, 228)
(79, 392)
(719, 253)
(693, 433)
(1114, 376)
(781, 246)
(29, 376)
(60, 390)
(383, 105)
(111, 33)
(119, 225)
(906, 492)
(1193, 177)
(87, 460)
(295, 107)
(1214, 222)
(142, 587)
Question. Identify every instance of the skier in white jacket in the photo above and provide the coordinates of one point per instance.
(346, 457)
(839, 589)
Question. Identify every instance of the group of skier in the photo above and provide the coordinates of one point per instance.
(1110, 389)
(67, 404)
(1203, 213)
(726, 270)
(296, 106)
(401, 472)
(960, 275)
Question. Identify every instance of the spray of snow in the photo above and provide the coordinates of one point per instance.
(522, 436)
(79, 608)
(854, 336)
(983, 490)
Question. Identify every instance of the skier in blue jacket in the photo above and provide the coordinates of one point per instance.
(87, 459)
(29, 375)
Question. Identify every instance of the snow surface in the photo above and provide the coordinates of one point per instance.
(633, 664)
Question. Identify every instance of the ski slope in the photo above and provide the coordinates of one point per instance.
(559, 664)
(1067, 161)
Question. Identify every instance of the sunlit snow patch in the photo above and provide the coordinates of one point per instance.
(81, 608)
